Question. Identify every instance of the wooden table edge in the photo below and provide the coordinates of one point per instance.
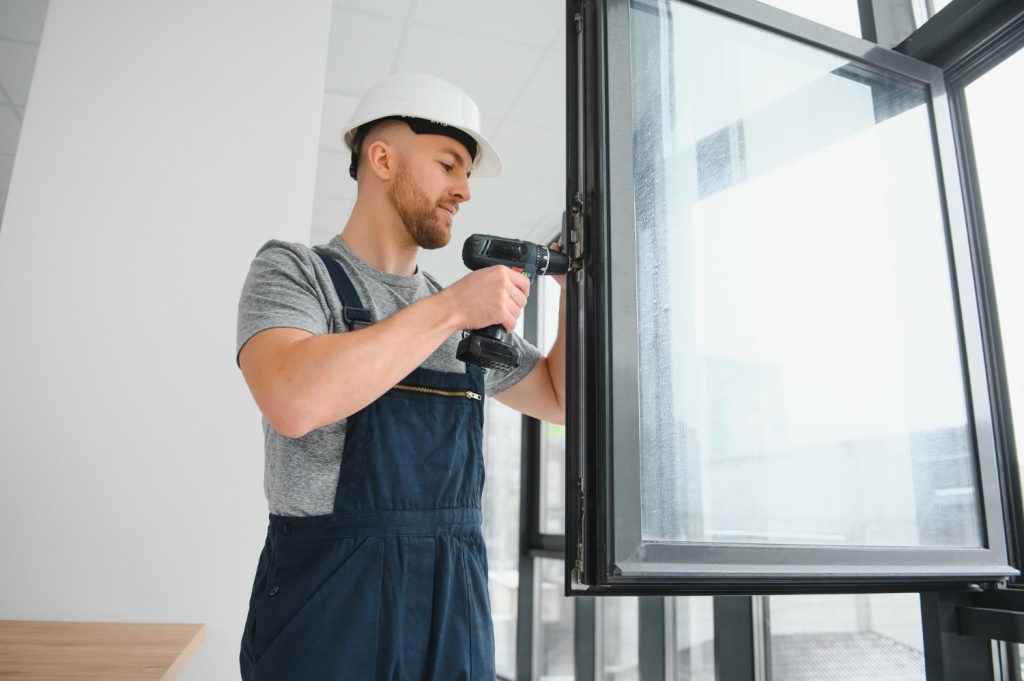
(196, 630)
(186, 654)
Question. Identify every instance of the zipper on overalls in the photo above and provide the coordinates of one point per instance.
(469, 395)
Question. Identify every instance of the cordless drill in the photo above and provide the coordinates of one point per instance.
(487, 347)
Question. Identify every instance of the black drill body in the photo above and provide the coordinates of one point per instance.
(487, 347)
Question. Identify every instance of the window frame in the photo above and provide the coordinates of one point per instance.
(603, 417)
(994, 39)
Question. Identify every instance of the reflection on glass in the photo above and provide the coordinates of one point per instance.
(552, 436)
(695, 639)
(619, 646)
(995, 108)
(842, 15)
(800, 374)
(555, 623)
(847, 638)
(501, 527)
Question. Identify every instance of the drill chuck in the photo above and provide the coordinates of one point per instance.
(481, 250)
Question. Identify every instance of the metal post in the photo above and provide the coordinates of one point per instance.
(948, 655)
(886, 22)
(652, 638)
(588, 666)
(742, 639)
(524, 619)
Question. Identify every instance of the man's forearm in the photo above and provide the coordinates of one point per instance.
(320, 379)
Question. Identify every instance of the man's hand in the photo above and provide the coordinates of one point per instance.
(493, 295)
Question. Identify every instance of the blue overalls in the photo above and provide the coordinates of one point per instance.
(393, 583)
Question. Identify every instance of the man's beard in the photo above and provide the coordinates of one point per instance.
(418, 213)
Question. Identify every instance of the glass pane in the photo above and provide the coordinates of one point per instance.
(555, 625)
(996, 107)
(842, 15)
(800, 373)
(695, 639)
(552, 436)
(620, 638)
(502, 434)
(846, 638)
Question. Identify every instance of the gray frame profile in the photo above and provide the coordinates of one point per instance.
(603, 528)
(1001, 36)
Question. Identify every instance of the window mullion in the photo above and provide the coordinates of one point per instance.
(652, 638)
(886, 22)
(949, 656)
(736, 645)
(524, 619)
(529, 495)
(589, 660)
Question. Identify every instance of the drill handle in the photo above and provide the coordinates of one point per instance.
(495, 331)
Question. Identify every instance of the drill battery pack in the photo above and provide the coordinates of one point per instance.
(487, 352)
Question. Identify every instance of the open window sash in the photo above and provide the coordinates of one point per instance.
(777, 372)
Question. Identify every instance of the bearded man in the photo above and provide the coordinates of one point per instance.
(374, 565)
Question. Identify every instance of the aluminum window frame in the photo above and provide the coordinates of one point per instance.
(995, 38)
(604, 416)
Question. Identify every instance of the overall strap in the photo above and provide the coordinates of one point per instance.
(353, 311)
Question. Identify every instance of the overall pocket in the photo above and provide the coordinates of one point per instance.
(319, 620)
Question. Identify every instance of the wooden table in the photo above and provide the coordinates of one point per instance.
(96, 650)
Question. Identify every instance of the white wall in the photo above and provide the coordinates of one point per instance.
(164, 142)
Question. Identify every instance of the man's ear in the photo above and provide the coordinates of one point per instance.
(381, 159)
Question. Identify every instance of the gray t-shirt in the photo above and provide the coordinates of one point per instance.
(289, 286)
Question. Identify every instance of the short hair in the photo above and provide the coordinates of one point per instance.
(420, 126)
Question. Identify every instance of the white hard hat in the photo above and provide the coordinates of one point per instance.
(432, 99)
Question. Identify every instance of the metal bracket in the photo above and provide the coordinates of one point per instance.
(994, 623)
(993, 613)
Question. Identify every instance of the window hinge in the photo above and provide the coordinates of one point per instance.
(579, 19)
(576, 237)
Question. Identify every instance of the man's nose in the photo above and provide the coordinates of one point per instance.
(461, 190)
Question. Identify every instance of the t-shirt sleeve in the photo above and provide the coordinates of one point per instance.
(499, 380)
(281, 291)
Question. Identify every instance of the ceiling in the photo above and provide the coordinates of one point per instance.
(509, 56)
(21, 26)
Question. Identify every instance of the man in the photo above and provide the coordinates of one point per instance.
(374, 565)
